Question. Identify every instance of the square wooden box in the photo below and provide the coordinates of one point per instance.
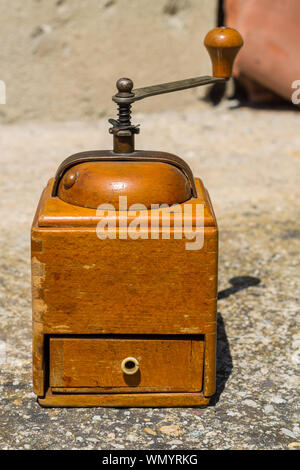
(96, 302)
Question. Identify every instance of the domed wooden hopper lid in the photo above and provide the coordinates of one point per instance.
(89, 179)
(103, 182)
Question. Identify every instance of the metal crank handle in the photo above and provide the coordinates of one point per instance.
(222, 44)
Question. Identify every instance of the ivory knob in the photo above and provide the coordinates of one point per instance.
(130, 365)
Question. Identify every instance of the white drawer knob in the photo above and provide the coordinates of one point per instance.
(130, 365)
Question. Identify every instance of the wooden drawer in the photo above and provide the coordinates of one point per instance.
(93, 365)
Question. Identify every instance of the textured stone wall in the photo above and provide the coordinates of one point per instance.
(60, 59)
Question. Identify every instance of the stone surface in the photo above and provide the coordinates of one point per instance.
(250, 161)
(60, 59)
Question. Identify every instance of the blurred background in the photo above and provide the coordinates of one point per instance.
(59, 61)
(60, 58)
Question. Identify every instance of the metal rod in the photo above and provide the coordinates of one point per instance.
(141, 93)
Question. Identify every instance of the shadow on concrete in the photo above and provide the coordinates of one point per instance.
(238, 283)
(224, 359)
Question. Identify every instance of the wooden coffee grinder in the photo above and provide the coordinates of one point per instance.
(124, 304)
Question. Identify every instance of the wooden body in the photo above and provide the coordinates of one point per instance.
(96, 302)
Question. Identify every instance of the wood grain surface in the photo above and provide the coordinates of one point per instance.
(165, 364)
(82, 285)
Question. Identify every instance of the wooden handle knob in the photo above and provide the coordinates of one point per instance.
(130, 365)
(223, 44)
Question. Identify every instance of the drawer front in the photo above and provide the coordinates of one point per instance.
(87, 365)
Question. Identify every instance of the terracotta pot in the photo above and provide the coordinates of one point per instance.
(271, 54)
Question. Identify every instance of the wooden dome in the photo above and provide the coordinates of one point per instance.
(90, 184)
